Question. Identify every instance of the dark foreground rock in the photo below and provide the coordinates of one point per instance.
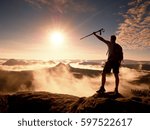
(40, 102)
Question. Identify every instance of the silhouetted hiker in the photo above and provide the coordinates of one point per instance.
(115, 56)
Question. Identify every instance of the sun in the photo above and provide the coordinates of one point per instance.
(57, 38)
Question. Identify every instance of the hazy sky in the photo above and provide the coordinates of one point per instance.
(26, 25)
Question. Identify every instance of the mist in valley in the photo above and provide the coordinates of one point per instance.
(68, 79)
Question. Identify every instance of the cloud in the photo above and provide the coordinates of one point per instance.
(62, 6)
(134, 31)
(61, 80)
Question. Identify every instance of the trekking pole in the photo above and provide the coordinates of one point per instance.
(100, 31)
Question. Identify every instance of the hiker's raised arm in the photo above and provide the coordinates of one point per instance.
(100, 38)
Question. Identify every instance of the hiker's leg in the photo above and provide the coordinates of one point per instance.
(103, 80)
(106, 70)
(116, 66)
(116, 82)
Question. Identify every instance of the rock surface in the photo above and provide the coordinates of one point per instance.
(44, 102)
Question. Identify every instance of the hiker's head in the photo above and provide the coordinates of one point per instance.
(113, 38)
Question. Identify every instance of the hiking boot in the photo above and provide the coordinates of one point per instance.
(116, 92)
(101, 90)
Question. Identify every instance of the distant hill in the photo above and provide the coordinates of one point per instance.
(52, 103)
(133, 64)
(51, 62)
(11, 62)
(125, 61)
(77, 72)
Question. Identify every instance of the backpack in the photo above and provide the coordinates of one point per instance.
(118, 52)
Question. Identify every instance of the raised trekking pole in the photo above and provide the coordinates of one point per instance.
(100, 31)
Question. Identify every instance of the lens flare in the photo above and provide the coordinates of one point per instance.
(57, 38)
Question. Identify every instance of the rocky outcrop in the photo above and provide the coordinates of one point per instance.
(60, 103)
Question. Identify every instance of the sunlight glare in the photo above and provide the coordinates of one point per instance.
(57, 38)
